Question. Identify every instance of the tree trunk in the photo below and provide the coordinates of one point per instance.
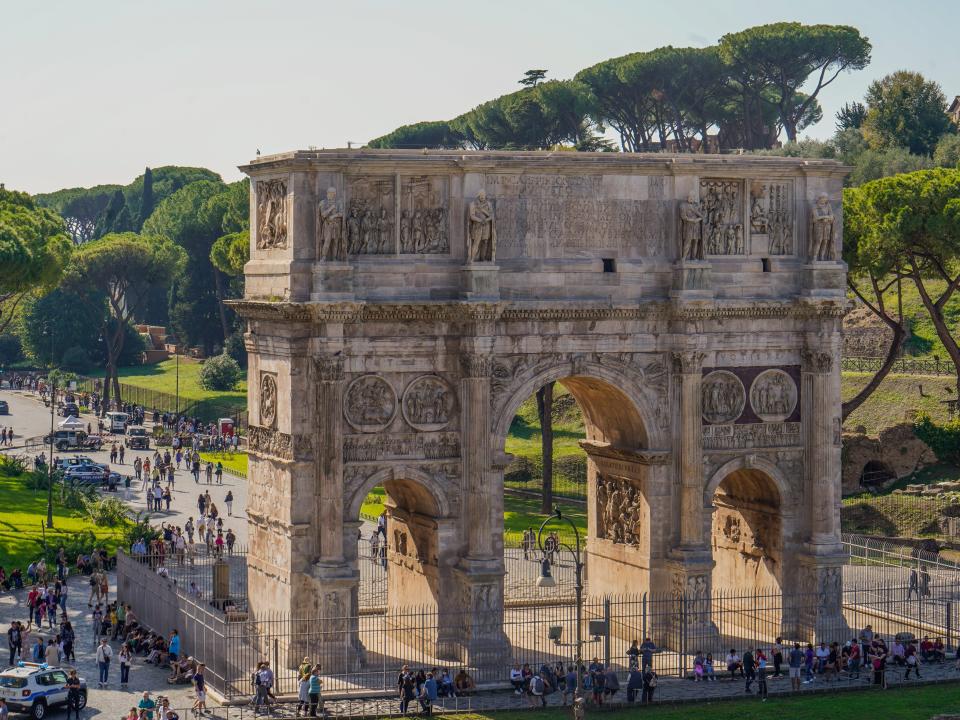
(545, 411)
(899, 334)
(218, 285)
(935, 310)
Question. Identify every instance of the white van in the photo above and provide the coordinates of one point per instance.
(117, 422)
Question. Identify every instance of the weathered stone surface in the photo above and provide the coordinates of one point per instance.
(674, 296)
(897, 450)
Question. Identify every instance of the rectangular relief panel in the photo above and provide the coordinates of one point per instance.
(370, 215)
(772, 218)
(424, 219)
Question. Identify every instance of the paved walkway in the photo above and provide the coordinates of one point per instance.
(111, 702)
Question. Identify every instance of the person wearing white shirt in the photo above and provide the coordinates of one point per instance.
(104, 654)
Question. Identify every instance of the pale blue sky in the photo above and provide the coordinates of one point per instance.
(94, 90)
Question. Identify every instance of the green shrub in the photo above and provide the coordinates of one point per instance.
(219, 373)
(943, 439)
(571, 467)
(105, 511)
(81, 543)
(139, 528)
(11, 465)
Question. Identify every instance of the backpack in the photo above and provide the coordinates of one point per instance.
(537, 685)
(652, 682)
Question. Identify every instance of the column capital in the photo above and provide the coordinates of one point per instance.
(328, 367)
(687, 361)
(475, 365)
(816, 361)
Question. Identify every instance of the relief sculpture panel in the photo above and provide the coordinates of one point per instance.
(268, 400)
(773, 396)
(771, 218)
(271, 214)
(723, 397)
(618, 511)
(722, 211)
(424, 221)
(428, 403)
(369, 221)
(370, 403)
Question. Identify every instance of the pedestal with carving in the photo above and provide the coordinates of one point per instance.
(480, 281)
(692, 280)
(825, 279)
(332, 280)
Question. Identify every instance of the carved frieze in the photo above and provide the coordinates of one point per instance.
(369, 403)
(268, 400)
(428, 403)
(268, 441)
(619, 507)
(361, 448)
(780, 218)
(723, 397)
(424, 223)
(369, 221)
(773, 395)
(753, 435)
(271, 214)
(721, 207)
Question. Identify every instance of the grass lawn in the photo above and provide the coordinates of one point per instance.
(896, 399)
(917, 703)
(235, 463)
(162, 377)
(23, 513)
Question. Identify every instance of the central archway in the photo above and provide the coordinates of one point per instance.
(626, 481)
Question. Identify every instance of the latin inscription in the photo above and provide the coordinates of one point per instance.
(556, 215)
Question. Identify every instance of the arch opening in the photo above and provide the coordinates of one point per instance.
(747, 537)
(875, 475)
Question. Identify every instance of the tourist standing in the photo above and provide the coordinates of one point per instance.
(649, 685)
(315, 688)
(104, 653)
(794, 663)
(228, 500)
(126, 657)
(73, 695)
(200, 689)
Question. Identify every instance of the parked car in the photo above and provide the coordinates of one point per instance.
(4, 407)
(65, 440)
(117, 422)
(65, 463)
(70, 410)
(34, 688)
(137, 438)
(87, 474)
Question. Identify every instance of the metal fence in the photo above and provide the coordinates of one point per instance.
(901, 366)
(361, 653)
(880, 553)
(207, 410)
(192, 570)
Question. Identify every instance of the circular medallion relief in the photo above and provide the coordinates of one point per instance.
(369, 403)
(723, 397)
(268, 401)
(773, 396)
(428, 403)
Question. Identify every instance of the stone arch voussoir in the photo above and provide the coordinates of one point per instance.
(399, 473)
(752, 462)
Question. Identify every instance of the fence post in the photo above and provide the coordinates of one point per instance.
(949, 623)
(606, 638)
(643, 615)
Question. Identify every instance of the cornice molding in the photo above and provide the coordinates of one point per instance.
(466, 312)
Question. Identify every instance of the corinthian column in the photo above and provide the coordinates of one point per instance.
(687, 367)
(475, 447)
(329, 382)
(821, 424)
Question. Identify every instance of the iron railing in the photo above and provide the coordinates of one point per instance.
(901, 366)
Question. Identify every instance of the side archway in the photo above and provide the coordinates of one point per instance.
(748, 496)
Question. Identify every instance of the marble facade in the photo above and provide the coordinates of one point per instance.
(408, 302)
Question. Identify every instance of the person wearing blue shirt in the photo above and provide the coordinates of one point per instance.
(174, 648)
(316, 685)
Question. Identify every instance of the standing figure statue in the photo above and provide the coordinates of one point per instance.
(354, 240)
(691, 225)
(331, 228)
(482, 230)
(368, 226)
(821, 230)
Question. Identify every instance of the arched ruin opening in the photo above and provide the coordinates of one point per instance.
(875, 475)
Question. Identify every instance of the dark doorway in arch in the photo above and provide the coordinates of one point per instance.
(747, 537)
(875, 475)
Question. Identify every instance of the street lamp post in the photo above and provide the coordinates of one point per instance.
(546, 580)
(53, 405)
(176, 353)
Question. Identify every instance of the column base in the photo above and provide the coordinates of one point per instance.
(335, 640)
(482, 643)
(818, 614)
(691, 625)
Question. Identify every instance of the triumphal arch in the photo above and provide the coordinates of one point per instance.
(401, 305)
